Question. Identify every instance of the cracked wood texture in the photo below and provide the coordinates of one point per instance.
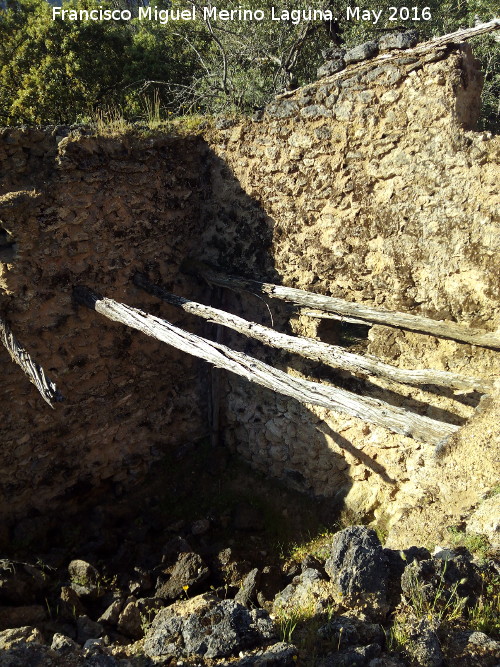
(331, 355)
(359, 311)
(34, 371)
(370, 410)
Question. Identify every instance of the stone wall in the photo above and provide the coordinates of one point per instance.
(369, 185)
(376, 190)
(92, 211)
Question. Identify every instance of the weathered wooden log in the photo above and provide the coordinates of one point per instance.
(358, 311)
(332, 355)
(370, 410)
(34, 371)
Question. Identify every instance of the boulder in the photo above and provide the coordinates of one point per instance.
(398, 40)
(62, 644)
(359, 569)
(361, 52)
(330, 67)
(87, 629)
(247, 595)
(130, 621)
(208, 627)
(424, 646)
(19, 636)
(307, 591)
(189, 572)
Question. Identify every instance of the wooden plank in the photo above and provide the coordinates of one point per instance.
(34, 371)
(332, 355)
(306, 392)
(359, 311)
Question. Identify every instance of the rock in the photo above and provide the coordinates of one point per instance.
(17, 637)
(112, 613)
(361, 52)
(200, 527)
(100, 660)
(87, 629)
(277, 655)
(85, 579)
(358, 567)
(188, 574)
(171, 550)
(341, 632)
(424, 645)
(282, 109)
(330, 67)
(17, 617)
(311, 561)
(63, 644)
(474, 648)
(130, 621)
(308, 591)
(485, 520)
(247, 595)
(70, 605)
(83, 573)
(208, 627)
(441, 581)
(398, 40)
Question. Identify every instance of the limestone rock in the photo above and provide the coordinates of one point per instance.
(19, 636)
(309, 590)
(485, 520)
(63, 644)
(208, 627)
(330, 67)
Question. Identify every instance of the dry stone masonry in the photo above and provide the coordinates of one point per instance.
(370, 185)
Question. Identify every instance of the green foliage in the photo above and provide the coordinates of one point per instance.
(485, 615)
(60, 71)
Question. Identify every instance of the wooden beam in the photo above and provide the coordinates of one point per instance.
(306, 392)
(332, 355)
(34, 371)
(359, 311)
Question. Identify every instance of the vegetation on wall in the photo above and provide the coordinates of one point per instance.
(54, 71)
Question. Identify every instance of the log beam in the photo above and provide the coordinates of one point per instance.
(367, 314)
(332, 355)
(306, 392)
(34, 371)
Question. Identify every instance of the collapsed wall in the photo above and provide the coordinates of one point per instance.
(367, 185)
(377, 191)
